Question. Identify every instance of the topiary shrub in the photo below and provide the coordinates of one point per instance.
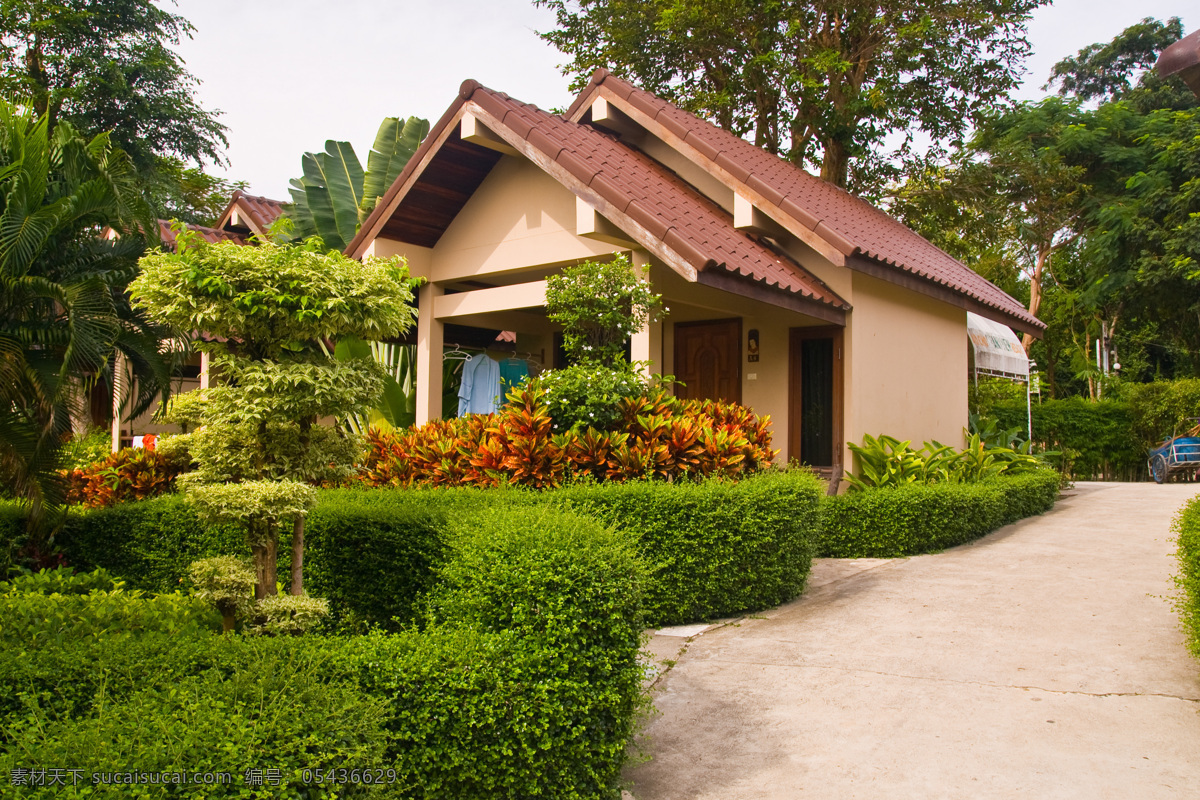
(914, 519)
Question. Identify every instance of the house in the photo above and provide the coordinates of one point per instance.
(785, 293)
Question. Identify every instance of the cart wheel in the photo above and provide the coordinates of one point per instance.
(1158, 468)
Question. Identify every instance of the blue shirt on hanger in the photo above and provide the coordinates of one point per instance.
(480, 389)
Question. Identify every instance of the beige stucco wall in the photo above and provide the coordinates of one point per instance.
(520, 217)
(906, 366)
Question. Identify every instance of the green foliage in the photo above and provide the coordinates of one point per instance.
(716, 548)
(256, 505)
(172, 703)
(225, 582)
(524, 684)
(822, 84)
(1095, 439)
(914, 519)
(290, 614)
(63, 310)
(273, 297)
(589, 394)
(600, 304)
(83, 450)
(110, 67)
(36, 613)
(887, 462)
(150, 544)
(335, 195)
(1187, 537)
(373, 554)
(1162, 409)
(63, 580)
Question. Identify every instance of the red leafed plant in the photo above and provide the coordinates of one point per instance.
(133, 473)
(660, 437)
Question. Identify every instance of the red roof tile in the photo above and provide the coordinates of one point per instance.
(210, 235)
(687, 222)
(261, 212)
(850, 224)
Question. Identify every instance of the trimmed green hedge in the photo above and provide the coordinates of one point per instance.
(525, 683)
(712, 549)
(1187, 533)
(906, 521)
(715, 548)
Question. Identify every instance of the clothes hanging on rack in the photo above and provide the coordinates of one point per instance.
(479, 392)
(512, 372)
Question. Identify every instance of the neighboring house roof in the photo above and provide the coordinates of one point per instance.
(849, 225)
(210, 235)
(1183, 59)
(250, 214)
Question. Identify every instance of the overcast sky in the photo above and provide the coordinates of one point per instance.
(289, 74)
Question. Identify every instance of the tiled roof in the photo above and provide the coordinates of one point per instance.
(261, 212)
(673, 212)
(848, 223)
(210, 235)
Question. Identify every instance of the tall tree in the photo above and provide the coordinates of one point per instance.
(822, 82)
(109, 66)
(63, 309)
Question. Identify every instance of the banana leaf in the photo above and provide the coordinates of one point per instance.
(394, 145)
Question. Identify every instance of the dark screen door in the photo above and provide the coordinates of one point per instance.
(815, 427)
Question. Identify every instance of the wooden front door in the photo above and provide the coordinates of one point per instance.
(815, 398)
(708, 360)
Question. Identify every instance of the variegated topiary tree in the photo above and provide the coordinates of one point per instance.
(262, 312)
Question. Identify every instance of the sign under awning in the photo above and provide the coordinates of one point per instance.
(997, 349)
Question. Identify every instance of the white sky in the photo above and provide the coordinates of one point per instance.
(289, 74)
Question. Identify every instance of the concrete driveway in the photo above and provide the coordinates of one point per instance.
(1044, 661)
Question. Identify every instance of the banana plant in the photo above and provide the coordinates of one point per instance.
(335, 194)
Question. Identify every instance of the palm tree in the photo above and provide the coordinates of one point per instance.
(72, 227)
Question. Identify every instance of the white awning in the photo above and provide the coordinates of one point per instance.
(997, 349)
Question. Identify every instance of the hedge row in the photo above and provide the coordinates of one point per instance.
(524, 683)
(712, 548)
(910, 520)
(1109, 439)
(1187, 533)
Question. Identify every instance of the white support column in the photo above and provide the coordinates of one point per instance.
(204, 368)
(646, 344)
(430, 338)
(119, 384)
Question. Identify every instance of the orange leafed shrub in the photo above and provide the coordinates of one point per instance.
(661, 437)
(128, 474)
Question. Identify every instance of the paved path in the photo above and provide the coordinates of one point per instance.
(1043, 661)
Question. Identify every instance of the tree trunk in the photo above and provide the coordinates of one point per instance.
(298, 556)
(1035, 291)
(271, 572)
(835, 167)
(227, 624)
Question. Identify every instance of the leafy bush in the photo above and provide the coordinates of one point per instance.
(588, 395)
(660, 437)
(715, 548)
(81, 451)
(1162, 409)
(887, 462)
(1187, 535)
(133, 473)
(600, 305)
(12, 535)
(1094, 438)
(914, 519)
